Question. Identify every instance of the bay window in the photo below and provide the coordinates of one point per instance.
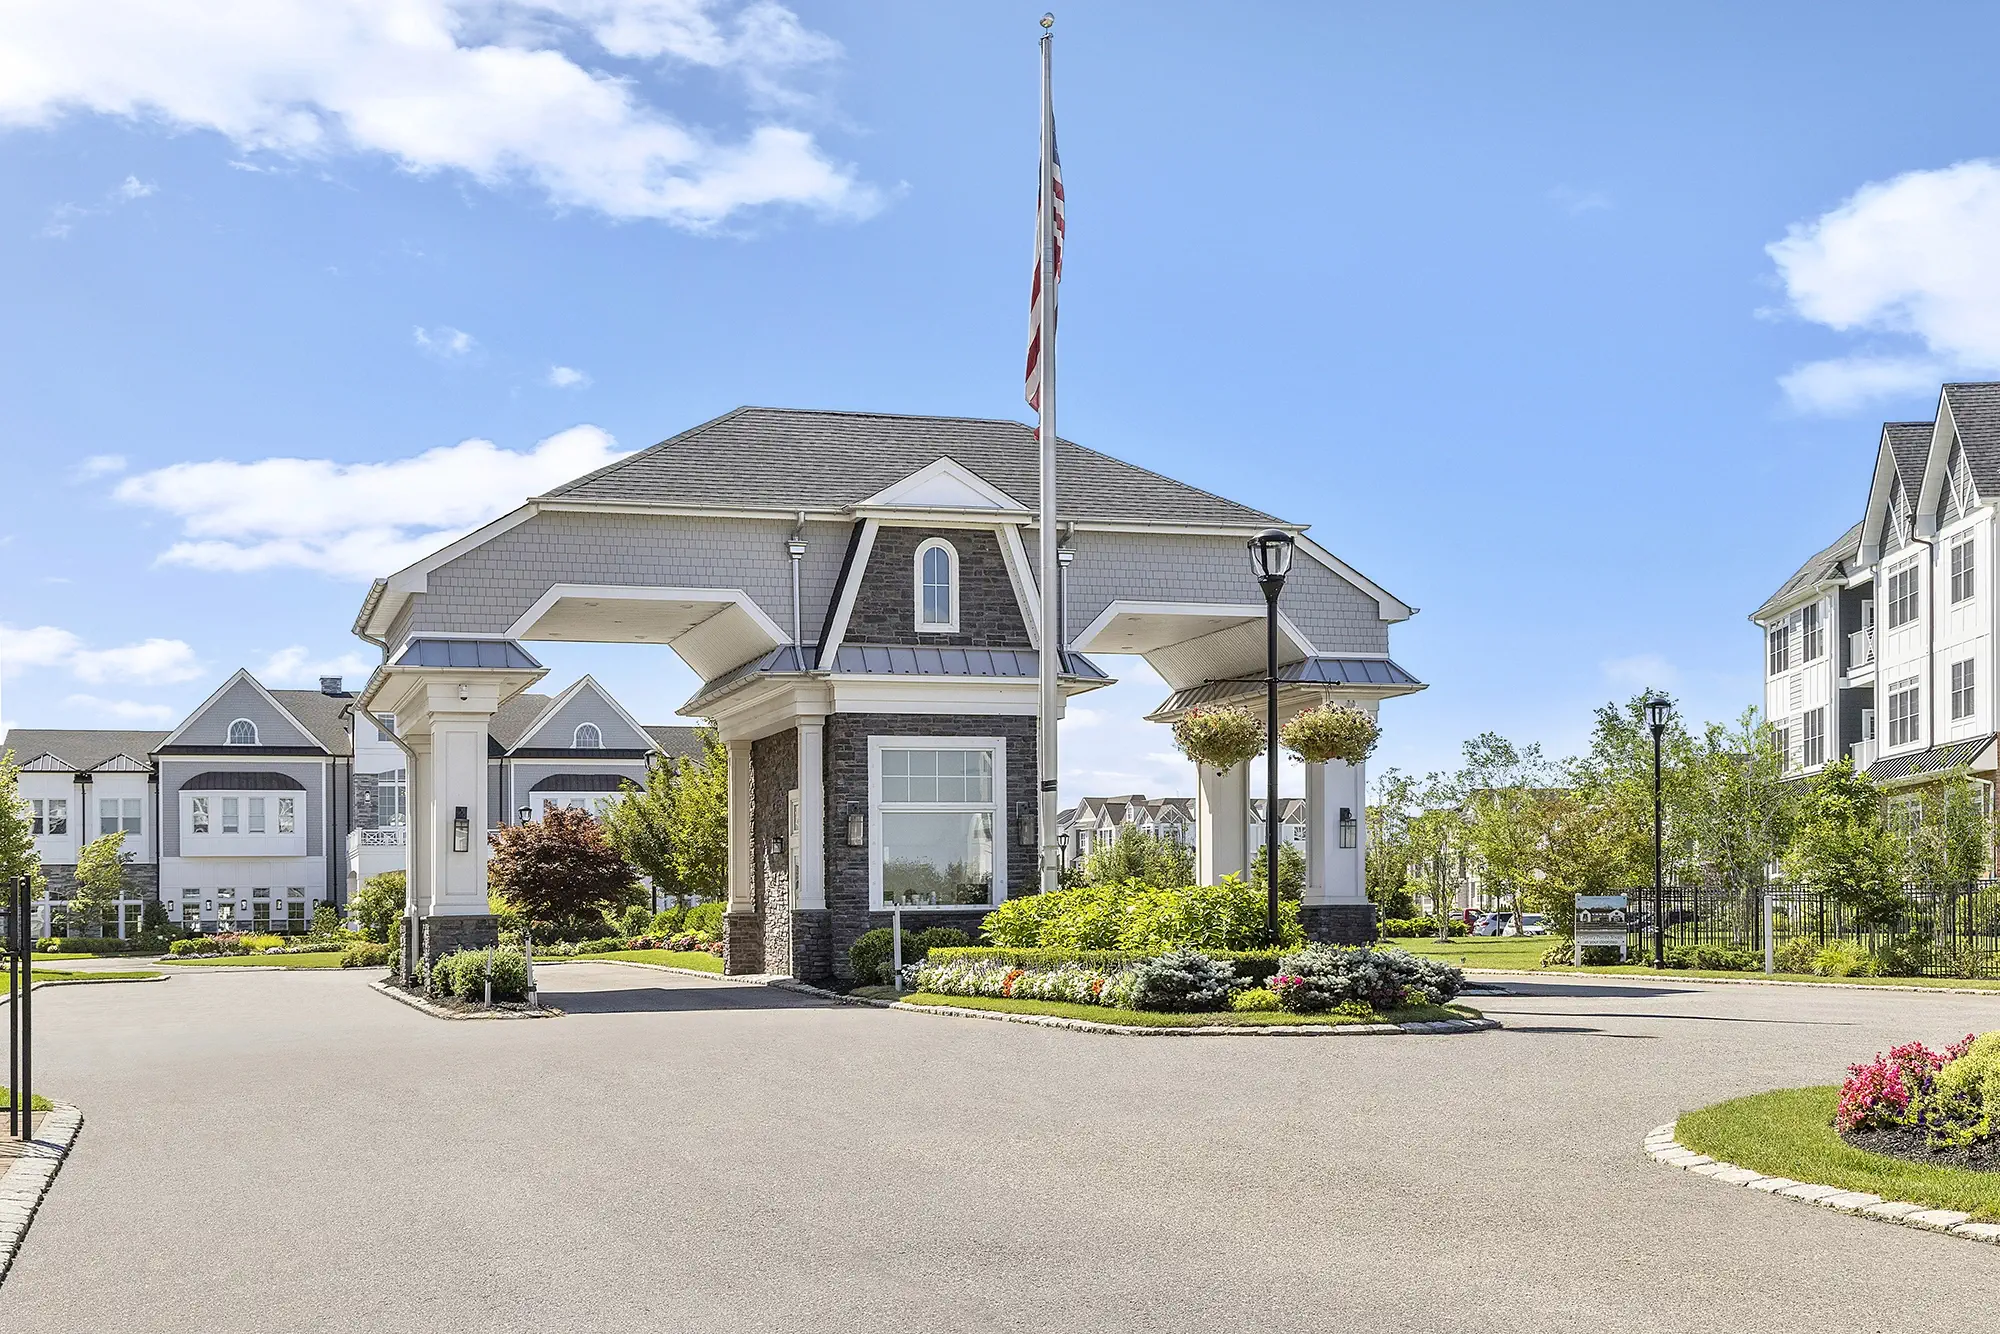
(938, 836)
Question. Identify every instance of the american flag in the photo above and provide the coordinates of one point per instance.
(1035, 299)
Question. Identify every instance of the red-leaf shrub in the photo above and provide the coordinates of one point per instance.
(1893, 1090)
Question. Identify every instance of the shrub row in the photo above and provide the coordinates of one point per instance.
(873, 954)
(1253, 967)
(1422, 926)
(1131, 915)
(366, 954)
(145, 942)
(1952, 1096)
(462, 975)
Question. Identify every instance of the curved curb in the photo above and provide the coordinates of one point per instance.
(440, 1012)
(1428, 1029)
(22, 1188)
(87, 982)
(1662, 1147)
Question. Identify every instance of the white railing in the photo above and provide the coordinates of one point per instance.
(1860, 649)
(1864, 753)
(377, 838)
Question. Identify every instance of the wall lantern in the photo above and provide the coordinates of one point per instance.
(857, 828)
(778, 845)
(1350, 832)
(461, 830)
(527, 814)
(1024, 821)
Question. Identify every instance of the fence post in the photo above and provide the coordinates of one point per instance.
(1770, 936)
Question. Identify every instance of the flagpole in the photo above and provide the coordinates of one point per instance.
(1050, 656)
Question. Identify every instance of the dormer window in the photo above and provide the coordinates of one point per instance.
(937, 587)
(242, 732)
(588, 737)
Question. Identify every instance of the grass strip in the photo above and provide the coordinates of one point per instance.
(699, 960)
(1789, 1133)
(41, 1104)
(1513, 952)
(317, 959)
(1104, 1014)
(95, 975)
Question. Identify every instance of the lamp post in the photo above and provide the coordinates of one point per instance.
(1658, 709)
(1271, 557)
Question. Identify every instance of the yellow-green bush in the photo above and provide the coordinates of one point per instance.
(1128, 915)
(1965, 1097)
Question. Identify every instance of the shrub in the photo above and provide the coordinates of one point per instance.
(667, 921)
(704, 919)
(873, 954)
(326, 921)
(257, 944)
(1796, 955)
(635, 920)
(1963, 1104)
(1838, 958)
(1184, 981)
(1891, 1090)
(367, 954)
(1714, 958)
(936, 938)
(1562, 954)
(1255, 998)
(1130, 915)
(462, 975)
(1904, 956)
(1331, 732)
(1253, 967)
(1422, 926)
(194, 945)
(1219, 738)
(84, 945)
(1321, 977)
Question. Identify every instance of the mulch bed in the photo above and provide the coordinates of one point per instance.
(1907, 1143)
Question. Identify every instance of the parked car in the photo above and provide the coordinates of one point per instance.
(1502, 924)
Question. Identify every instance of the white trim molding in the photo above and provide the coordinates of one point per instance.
(1002, 833)
(921, 582)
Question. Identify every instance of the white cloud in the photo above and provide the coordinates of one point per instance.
(498, 90)
(121, 710)
(1641, 671)
(1574, 200)
(149, 662)
(568, 377)
(295, 666)
(64, 217)
(98, 465)
(353, 520)
(1911, 260)
(445, 342)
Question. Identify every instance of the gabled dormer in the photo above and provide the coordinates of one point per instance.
(242, 716)
(1894, 517)
(586, 720)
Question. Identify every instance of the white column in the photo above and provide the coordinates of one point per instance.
(458, 782)
(810, 892)
(1222, 823)
(1335, 874)
(417, 820)
(742, 887)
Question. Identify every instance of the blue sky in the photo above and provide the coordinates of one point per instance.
(1569, 325)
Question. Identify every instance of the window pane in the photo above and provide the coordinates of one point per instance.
(287, 814)
(937, 857)
(256, 815)
(231, 820)
(131, 815)
(198, 815)
(58, 815)
(107, 815)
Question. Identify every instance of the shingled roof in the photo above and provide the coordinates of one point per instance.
(80, 749)
(1830, 563)
(783, 458)
(1910, 443)
(1975, 410)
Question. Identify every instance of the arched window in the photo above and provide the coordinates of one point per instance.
(937, 587)
(242, 732)
(588, 737)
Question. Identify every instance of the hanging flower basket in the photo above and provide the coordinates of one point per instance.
(1331, 732)
(1220, 738)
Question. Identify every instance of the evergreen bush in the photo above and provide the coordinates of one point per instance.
(1184, 981)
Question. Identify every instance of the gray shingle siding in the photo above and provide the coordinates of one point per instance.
(312, 774)
(1172, 567)
(210, 727)
(587, 706)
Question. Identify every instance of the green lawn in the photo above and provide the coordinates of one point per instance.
(698, 960)
(1517, 953)
(41, 1104)
(317, 959)
(1103, 1014)
(1789, 1133)
(58, 957)
(94, 975)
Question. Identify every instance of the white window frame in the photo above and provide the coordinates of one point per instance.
(242, 722)
(1781, 741)
(596, 742)
(1963, 580)
(1778, 649)
(200, 818)
(287, 821)
(1904, 728)
(1897, 599)
(1812, 738)
(948, 626)
(1812, 632)
(1002, 832)
(1963, 698)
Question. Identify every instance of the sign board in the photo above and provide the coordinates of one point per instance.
(1600, 920)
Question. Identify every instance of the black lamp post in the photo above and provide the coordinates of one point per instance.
(1658, 709)
(1271, 557)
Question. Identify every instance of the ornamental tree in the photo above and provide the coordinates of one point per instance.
(379, 904)
(100, 879)
(17, 831)
(559, 870)
(1842, 846)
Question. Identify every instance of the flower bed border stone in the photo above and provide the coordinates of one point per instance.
(1662, 1147)
(435, 1010)
(30, 1175)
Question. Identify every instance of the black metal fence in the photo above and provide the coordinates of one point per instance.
(1939, 931)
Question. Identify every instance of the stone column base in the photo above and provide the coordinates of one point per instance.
(742, 943)
(439, 936)
(1339, 923)
(812, 945)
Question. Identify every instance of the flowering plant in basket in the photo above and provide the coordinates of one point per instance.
(1331, 732)
(1220, 738)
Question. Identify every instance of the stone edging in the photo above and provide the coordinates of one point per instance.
(1662, 974)
(1431, 1028)
(234, 967)
(22, 1188)
(442, 1012)
(1662, 1147)
(754, 979)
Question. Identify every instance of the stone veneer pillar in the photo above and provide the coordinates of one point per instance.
(743, 928)
(1222, 823)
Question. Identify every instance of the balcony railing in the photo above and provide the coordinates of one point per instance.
(377, 838)
(1860, 649)
(1864, 753)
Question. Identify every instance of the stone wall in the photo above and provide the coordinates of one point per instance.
(142, 880)
(1339, 923)
(847, 896)
(774, 772)
(439, 936)
(989, 612)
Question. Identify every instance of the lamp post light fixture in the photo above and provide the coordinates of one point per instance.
(1658, 710)
(461, 830)
(527, 814)
(1271, 557)
(857, 828)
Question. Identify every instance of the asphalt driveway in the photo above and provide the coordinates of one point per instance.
(290, 1151)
